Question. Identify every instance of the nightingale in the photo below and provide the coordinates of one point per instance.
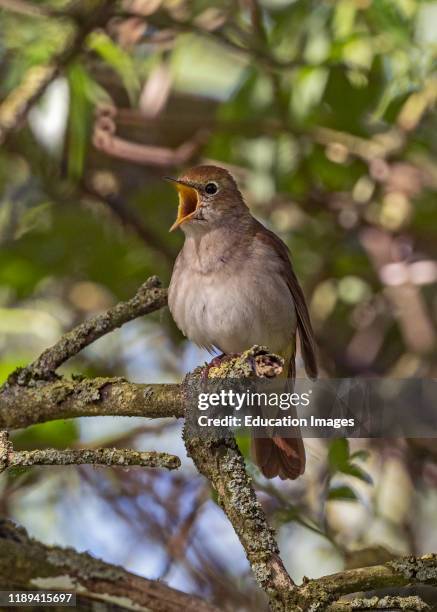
(233, 286)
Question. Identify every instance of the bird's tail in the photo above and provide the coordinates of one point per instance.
(283, 457)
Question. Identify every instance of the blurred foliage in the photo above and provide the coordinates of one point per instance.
(325, 113)
(323, 110)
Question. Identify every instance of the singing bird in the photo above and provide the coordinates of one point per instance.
(233, 286)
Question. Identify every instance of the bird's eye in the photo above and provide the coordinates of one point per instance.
(211, 188)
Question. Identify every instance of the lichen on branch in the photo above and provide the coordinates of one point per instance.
(100, 456)
(410, 603)
(29, 565)
(222, 463)
(21, 406)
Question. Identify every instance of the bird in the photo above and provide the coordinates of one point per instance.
(233, 286)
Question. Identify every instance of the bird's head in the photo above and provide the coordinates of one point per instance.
(208, 197)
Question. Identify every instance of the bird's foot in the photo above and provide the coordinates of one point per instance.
(216, 363)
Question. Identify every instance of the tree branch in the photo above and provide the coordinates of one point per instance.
(30, 565)
(401, 572)
(21, 406)
(100, 456)
(410, 603)
(223, 464)
(149, 297)
(106, 140)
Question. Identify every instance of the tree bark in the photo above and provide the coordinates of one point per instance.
(29, 565)
(21, 406)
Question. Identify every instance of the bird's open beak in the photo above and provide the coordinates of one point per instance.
(188, 201)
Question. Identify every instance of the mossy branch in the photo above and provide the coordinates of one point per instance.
(29, 565)
(412, 603)
(100, 456)
(398, 573)
(67, 399)
(222, 463)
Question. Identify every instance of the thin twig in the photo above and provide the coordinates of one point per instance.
(106, 140)
(100, 456)
(178, 544)
(225, 34)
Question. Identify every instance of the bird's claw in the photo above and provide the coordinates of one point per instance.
(216, 362)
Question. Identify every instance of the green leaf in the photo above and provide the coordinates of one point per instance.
(120, 61)
(353, 470)
(79, 120)
(338, 454)
(344, 18)
(36, 218)
(361, 454)
(342, 492)
(308, 89)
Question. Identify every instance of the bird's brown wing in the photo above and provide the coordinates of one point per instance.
(305, 329)
(276, 456)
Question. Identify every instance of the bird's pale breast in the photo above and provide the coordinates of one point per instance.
(234, 303)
